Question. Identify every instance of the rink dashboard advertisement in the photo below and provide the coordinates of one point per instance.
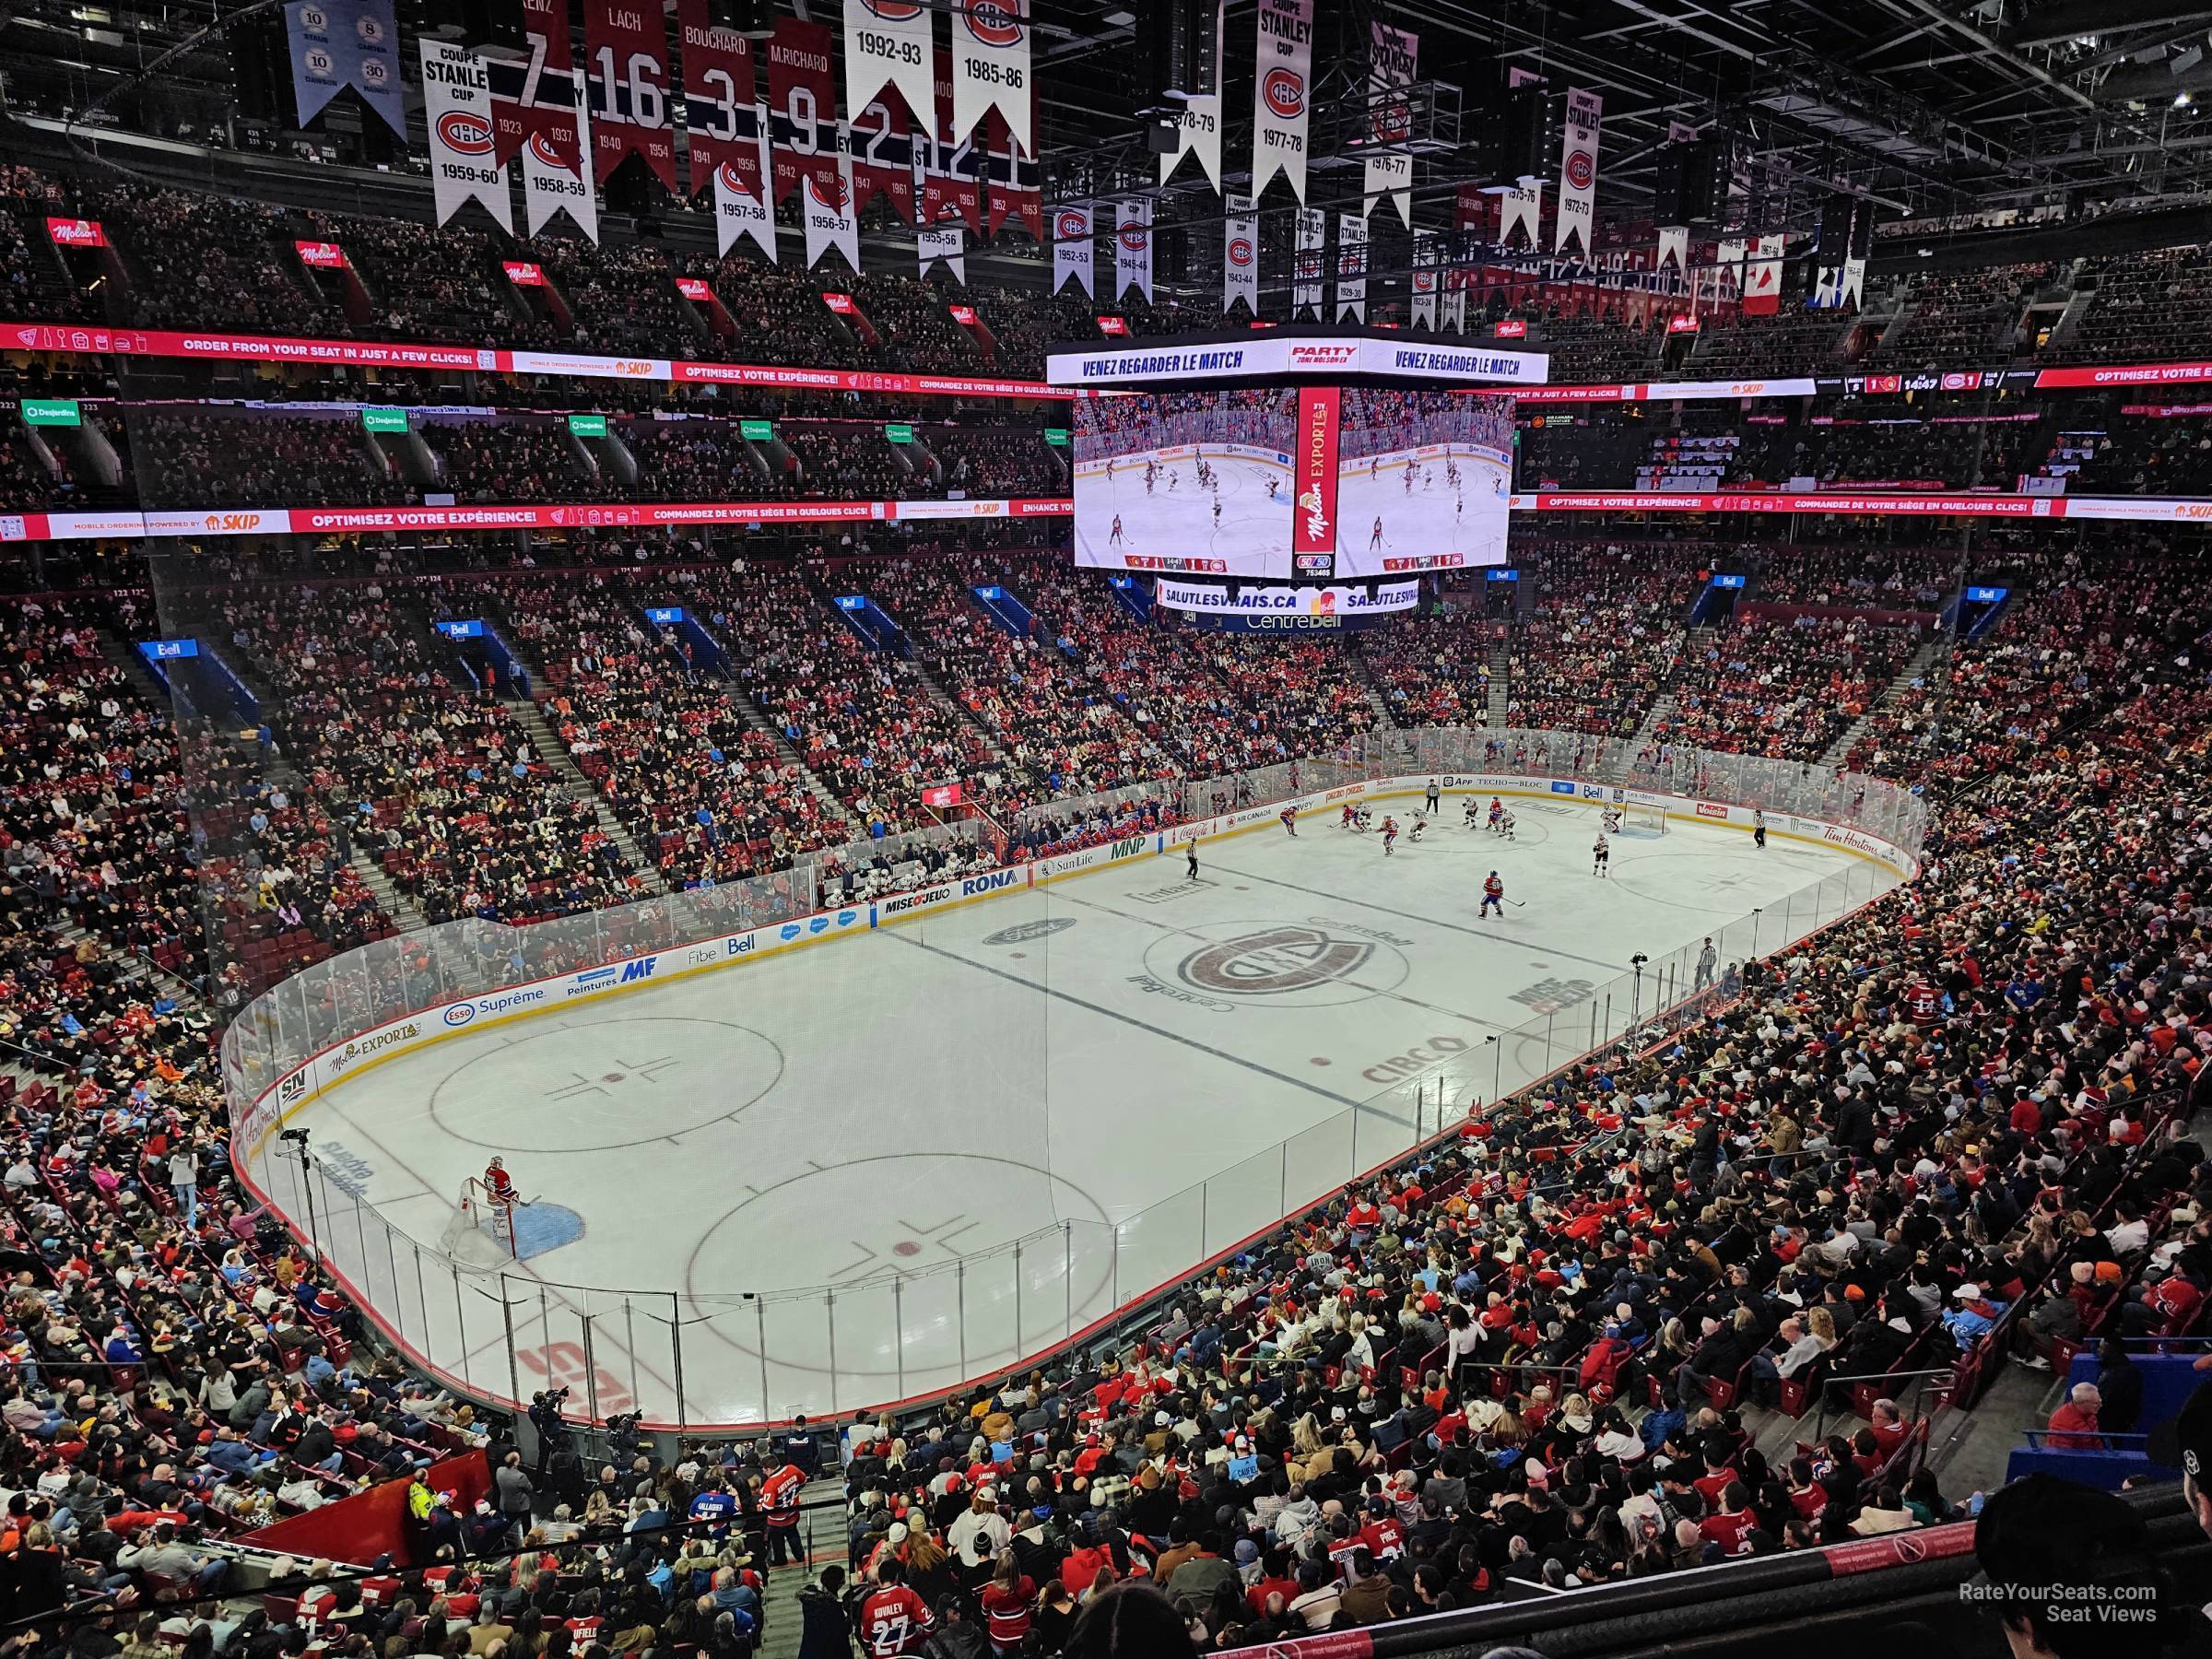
(1292, 482)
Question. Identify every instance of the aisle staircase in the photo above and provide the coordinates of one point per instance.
(555, 753)
(1922, 660)
(1384, 719)
(1501, 671)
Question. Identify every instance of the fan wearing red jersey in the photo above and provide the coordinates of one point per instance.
(894, 1619)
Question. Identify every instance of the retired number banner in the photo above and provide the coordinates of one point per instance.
(802, 108)
(626, 66)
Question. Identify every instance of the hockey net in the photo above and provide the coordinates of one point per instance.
(1647, 822)
(480, 1236)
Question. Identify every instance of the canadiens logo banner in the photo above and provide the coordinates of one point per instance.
(1351, 268)
(1391, 56)
(1280, 87)
(1424, 279)
(1241, 257)
(626, 50)
(1071, 247)
(456, 108)
(1577, 173)
(990, 66)
(1132, 248)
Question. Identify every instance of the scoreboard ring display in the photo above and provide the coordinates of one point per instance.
(1292, 458)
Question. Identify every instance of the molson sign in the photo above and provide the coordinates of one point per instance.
(1313, 511)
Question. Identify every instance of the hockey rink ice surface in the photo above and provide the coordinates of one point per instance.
(1176, 519)
(884, 1113)
(1434, 517)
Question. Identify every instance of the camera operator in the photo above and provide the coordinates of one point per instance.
(552, 1433)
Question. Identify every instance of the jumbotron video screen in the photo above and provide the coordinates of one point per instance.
(1211, 482)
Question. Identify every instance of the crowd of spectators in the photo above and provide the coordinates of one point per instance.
(1785, 689)
(2144, 307)
(1522, 1362)
(650, 724)
(1302, 697)
(1045, 716)
(1604, 638)
(1433, 669)
(1961, 318)
(431, 777)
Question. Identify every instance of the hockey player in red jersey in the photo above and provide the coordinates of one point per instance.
(1493, 896)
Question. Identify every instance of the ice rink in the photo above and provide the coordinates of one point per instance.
(1175, 518)
(883, 1114)
(1434, 517)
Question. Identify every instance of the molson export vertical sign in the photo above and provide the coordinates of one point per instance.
(1314, 511)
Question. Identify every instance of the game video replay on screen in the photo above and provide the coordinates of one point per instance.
(1292, 482)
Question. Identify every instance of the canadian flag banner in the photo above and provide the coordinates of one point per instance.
(1198, 120)
(1071, 247)
(1577, 173)
(1351, 268)
(1762, 278)
(945, 242)
(1281, 82)
(1424, 279)
(1309, 263)
(1521, 206)
(1132, 248)
(828, 211)
(1241, 257)
(991, 67)
(456, 108)
(1391, 56)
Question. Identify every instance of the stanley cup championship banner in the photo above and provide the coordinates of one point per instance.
(1281, 80)
(1132, 248)
(1308, 263)
(539, 114)
(1198, 120)
(457, 109)
(625, 68)
(828, 211)
(1393, 55)
(1071, 247)
(339, 43)
(891, 43)
(991, 67)
(1351, 268)
(1424, 279)
(802, 109)
(1522, 205)
(1241, 257)
(1577, 173)
(947, 243)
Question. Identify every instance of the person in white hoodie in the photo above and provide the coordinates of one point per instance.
(982, 1521)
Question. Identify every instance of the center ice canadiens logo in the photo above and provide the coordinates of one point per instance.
(1296, 963)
